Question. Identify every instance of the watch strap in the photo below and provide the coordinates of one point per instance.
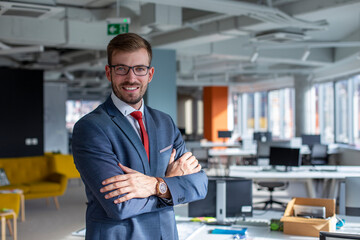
(159, 181)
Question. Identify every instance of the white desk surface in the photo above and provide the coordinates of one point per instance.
(303, 172)
(306, 174)
(232, 152)
(352, 225)
(234, 149)
(219, 144)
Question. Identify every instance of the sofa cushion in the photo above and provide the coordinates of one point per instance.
(26, 169)
(38, 187)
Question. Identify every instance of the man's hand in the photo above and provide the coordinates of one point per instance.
(133, 184)
(186, 164)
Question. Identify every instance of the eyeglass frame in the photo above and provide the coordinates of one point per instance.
(132, 68)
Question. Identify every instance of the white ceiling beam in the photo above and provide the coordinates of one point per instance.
(342, 68)
(242, 25)
(232, 49)
(237, 8)
(17, 50)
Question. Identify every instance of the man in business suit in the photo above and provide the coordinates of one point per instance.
(128, 164)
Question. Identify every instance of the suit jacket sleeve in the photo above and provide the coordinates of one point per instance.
(187, 188)
(96, 161)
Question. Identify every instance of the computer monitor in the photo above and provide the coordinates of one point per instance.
(338, 236)
(263, 148)
(238, 198)
(310, 139)
(182, 131)
(224, 134)
(262, 136)
(283, 156)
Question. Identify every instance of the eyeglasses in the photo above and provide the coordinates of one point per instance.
(139, 70)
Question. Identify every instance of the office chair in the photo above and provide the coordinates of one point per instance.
(319, 154)
(263, 152)
(271, 187)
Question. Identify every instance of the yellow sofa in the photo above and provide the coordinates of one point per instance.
(64, 164)
(35, 176)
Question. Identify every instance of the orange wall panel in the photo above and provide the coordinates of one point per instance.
(215, 111)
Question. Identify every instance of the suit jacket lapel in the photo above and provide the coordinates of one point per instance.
(124, 125)
(151, 130)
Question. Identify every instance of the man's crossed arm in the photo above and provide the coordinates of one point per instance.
(138, 185)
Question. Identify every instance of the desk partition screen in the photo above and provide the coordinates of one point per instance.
(310, 139)
(338, 236)
(352, 196)
(238, 197)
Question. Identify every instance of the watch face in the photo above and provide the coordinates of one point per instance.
(162, 187)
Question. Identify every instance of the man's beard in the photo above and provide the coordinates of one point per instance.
(129, 101)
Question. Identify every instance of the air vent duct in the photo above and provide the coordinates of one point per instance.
(28, 10)
(280, 36)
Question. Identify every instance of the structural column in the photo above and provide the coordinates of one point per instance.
(302, 104)
(215, 111)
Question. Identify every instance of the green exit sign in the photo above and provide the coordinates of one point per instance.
(117, 28)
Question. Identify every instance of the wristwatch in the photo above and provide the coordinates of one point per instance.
(161, 187)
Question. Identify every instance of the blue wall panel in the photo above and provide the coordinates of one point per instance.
(161, 93)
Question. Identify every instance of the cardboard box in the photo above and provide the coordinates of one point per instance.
(309, 226)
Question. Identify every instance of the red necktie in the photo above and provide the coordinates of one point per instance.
(144, 136)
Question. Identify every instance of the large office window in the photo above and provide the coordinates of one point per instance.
(75, 109)
(281, 112)
(250, 113)
(261, 114)
(323, 114)
(356, 110)
(343, 114)
(236, 100)
(249, 106)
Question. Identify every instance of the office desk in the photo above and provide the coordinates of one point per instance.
(220, 144)
(232, 152)
(352, 225)
(228, 153)
(307, 174)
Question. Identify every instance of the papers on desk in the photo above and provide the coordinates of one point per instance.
(79, 233)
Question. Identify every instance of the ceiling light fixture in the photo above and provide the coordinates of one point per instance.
(4, 46)
(254, 56)
(305, 55)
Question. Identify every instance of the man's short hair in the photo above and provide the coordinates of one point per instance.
(127, 42)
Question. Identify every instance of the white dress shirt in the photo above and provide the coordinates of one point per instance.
(126, 110)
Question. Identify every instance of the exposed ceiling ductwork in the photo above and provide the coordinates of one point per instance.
(226, 40)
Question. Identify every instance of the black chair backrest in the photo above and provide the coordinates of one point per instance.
(319, 151)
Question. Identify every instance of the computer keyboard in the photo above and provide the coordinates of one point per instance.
(252, 222)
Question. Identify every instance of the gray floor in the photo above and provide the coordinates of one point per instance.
(44, 222)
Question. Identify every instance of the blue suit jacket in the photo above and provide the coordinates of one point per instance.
(103, 138)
